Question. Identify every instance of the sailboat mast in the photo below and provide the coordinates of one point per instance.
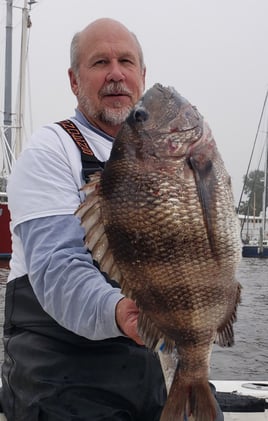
(8, 74)
(264, 198)
(14, 139)
(26, 23)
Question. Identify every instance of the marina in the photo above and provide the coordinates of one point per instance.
(254, 232)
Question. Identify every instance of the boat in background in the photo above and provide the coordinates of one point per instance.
(251, 228)
(255, 249)
(5, 168)
(243, 400)
(5, 236)
(255, 243)
(11, 121)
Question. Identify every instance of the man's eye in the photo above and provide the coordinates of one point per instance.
(100, 62)
(126, 60)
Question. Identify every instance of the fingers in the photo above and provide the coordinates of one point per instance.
(126, 314)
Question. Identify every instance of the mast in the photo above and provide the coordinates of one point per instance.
(26, 23)
(8, 76)
(14, 139)
(264, 197)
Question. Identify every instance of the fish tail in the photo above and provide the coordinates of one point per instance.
(202, 402)
(186, 398)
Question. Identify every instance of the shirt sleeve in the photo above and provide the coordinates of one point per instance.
(43, 181)
(67, 284)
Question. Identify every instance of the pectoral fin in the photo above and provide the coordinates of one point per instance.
(206, 181)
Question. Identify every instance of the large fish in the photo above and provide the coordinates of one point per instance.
(160, 219)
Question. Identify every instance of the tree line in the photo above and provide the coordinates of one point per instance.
(253, 189)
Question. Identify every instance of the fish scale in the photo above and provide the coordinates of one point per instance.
(167, 212)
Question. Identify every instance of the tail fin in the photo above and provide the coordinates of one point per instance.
(195, 399)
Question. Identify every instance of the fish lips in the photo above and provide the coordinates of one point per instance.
(139, 114)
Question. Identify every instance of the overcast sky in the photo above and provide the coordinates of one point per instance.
(215, 53)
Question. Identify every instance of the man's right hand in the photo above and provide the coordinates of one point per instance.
(126, 314)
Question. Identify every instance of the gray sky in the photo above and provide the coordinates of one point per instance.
(215, 53)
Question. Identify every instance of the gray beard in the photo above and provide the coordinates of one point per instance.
(112, 116)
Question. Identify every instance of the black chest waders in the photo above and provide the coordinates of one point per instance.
(51, 374)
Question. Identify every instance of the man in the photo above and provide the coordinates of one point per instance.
(72, 351)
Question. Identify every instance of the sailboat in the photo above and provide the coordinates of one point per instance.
(11, 123)
(254, 232)
(5, 236)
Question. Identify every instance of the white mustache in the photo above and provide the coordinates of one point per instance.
(115, 89)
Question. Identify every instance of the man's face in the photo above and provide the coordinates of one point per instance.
(110, 79)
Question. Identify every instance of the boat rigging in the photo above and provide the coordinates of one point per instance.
(12, 118)
(255, 236)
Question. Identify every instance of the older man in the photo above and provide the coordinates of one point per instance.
(72, 351)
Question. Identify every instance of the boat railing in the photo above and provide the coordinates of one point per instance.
(8, 154)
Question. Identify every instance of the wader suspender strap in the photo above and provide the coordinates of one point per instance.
(90, 163)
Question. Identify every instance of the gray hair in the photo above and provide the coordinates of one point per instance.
(74, 52)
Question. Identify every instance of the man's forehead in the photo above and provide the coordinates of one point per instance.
(107, 40)
(111, 49)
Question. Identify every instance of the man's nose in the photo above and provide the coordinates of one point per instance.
(115, 72)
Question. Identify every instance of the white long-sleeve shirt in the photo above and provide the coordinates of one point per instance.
(43, 194)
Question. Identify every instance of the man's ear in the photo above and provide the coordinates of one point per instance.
(73, 81)
(143, 77)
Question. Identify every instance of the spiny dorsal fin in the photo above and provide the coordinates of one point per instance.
(95, 237)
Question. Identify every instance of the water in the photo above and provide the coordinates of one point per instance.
(248, 359)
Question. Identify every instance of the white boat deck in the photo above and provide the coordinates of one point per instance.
(258, 389)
